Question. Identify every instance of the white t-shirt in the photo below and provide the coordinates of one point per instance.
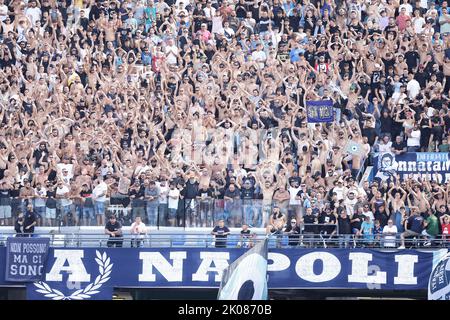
(419, 22)
(3, 12)
(163, 191)
(138, 228)
(259, 55)
(414, 140)
(171, 52)
(173, 203)
(413, 88)
(34, 14)
(389, 241)
(62, 191)
(385, 147)
(293, 193)
(369, 214)
(99, 192)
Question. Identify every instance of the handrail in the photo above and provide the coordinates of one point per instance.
(204, 240)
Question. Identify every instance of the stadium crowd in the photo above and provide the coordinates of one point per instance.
(190, 111)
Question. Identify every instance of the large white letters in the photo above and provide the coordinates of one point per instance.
(360, 269)
(172, 273)
(220, 260)
(406, 269)
(305, 267)
(280, 262)
(75, 268)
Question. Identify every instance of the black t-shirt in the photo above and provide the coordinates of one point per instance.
(294, 237)
(232, 194)
(357, 224)
(30, 217)
(381, 217)
(344, 225)
(205, 192)
(248, 194)
(17, 226)
(221, 236)
(191, 190)
(111, 227)
(412, 58)
(398, 146)
(327, 218)
(5, 199)
(309, 223)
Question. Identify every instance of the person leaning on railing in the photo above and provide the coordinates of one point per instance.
(114, 229)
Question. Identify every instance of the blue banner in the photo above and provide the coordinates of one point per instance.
(439, 283)
(88, 273)
(25, 258)
(320, 111)
(434, 166)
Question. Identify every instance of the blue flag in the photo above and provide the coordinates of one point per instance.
(246, 278)
(320, 111)
(439, 283)
(26, 258)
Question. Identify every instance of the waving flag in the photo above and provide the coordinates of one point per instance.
(246, 278)
(439, 283)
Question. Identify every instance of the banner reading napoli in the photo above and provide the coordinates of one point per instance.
(246, 278)
(439, 283)
(434, 166)
(92, 273)
(320, 111)
(25, 258)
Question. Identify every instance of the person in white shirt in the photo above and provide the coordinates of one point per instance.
(3, 11)
(367, 213)
(173, 197)
(259, 56)
(138, 231)
(33, 13)
(171, 51)
(389, 234)
(163, 194)
(65, 204)
(413, 141)
(350, 202)
(99, 197)
(385, 144)
(413, 87)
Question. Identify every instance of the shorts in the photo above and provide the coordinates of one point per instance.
(172, 213)
(40, 211)
(99, 208)
(5, 212)
(410, 233)
(50, 213)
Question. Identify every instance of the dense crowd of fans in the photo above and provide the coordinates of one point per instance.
(190, 111)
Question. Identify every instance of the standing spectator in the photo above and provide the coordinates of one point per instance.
(114, 229)
(367, 231)
(413, 226)
(344, 228)
(152, 198)
(293, 231)
(19, 225)
(5, 204)
(30, 220)
(64, 202)
(220, 232)
(389, 234)
(99, 196)
(173, 198)
(431, 225)
(246, 236)
(138, 231)
(88, 211)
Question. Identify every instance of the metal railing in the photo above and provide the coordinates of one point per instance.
(235, 240)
